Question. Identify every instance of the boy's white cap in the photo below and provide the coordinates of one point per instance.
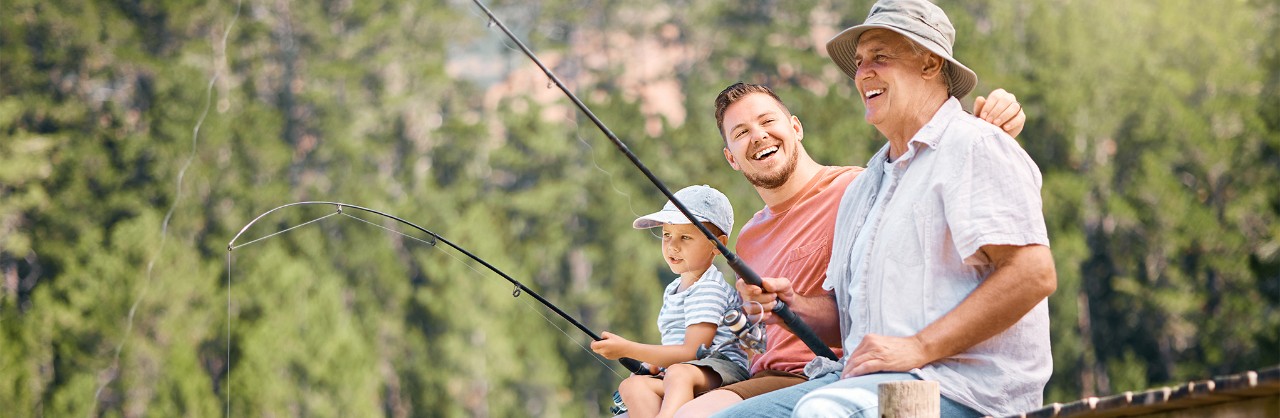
(706, 204)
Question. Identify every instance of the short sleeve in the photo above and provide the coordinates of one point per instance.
(707, 302)
(994, 198)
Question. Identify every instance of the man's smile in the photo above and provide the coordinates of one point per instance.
(765, 153)
(873, 93)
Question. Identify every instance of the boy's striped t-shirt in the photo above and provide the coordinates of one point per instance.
(707, 300)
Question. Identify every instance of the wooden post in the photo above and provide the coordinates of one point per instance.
(910, 399)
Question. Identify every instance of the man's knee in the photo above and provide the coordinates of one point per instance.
(837, 402)
(707, 404)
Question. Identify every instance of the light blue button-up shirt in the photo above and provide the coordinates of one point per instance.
(906, 252)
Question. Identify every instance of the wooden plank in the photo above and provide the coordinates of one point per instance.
(1112, 406)
(1081, 407)
(1049, 411)
(1262, 383)
(1235, 382)
(1201, 393)
(1204, 396)
(1261, 407)
(1150, 401)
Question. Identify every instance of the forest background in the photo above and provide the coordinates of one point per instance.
(137, 137)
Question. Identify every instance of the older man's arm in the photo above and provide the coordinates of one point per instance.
(817, 311)
(1024, 276)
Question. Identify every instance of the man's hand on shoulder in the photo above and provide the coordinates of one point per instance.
(1001, 109)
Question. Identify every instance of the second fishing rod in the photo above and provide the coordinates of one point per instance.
(792, 321)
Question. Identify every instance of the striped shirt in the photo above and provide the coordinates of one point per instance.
(707, 300)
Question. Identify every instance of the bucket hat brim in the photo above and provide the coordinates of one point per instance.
(843, 48)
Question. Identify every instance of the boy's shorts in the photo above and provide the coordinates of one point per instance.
(730, 372)
(764, 382)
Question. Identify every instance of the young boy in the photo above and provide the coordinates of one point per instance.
(692, 306)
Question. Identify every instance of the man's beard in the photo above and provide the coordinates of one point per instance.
(775, 180)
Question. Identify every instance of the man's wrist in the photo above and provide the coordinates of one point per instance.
(928, 348)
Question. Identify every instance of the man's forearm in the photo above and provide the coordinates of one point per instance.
(819, 312)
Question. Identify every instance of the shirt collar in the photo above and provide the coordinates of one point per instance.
(931, 133)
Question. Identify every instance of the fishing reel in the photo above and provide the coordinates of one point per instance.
(749, 336)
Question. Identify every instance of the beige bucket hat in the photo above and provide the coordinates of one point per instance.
(920, 21)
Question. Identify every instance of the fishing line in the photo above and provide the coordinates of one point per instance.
(516, 294)
(164, 225)
(288, 229)
(630, 364)
(576, 126)
(457, 259)
(227, 406)
(385, 228)
(596, 164)
(500, 39)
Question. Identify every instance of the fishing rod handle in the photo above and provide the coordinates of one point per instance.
(635, 366)
(802, 331)
(793, 321)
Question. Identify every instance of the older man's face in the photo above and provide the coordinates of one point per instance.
(889, 76)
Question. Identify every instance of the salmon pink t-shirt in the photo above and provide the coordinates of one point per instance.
(793, 240)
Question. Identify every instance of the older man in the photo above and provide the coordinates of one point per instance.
(940, 265)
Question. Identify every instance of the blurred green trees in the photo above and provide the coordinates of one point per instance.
(134, 143)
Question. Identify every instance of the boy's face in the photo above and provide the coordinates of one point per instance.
(762, 140)
(686, 249)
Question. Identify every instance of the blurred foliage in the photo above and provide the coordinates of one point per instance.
(135, 142)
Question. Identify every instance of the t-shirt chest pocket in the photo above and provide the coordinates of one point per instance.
(808, 250)
(806, 265)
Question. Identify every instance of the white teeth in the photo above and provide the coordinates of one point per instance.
(765, 151)
(873, 93)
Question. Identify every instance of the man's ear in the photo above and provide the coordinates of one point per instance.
(798, 127)
(728, 156)
(933, 65)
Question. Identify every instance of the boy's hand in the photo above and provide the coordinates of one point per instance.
(611, 346)
(775, 288)
(1001, 109)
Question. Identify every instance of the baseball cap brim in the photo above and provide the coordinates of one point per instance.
(660, 218)
(843, 47)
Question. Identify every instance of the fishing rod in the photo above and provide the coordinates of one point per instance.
(797, 326)
(635, 366)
